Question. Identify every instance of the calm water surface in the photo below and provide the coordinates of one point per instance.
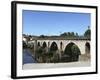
(27, 57)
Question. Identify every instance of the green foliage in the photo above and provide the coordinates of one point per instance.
(63, 34)
(50, 54)
(72, 52)
(75, 50)
(69, 34)
(76, 34)
(39, 51)
(87, 33)
(42, 36)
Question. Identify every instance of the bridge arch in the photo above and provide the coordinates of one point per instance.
(87, 48)
(72, 52)
(53, 46)
(44, 44)
(38, 43)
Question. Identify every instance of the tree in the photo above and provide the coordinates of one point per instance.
(50, 56)
(39, 51)
(75, 50)
(63, 34)
(76, 53)
(69, 34)
(72, 34)
(87, 33)
(76, 34)
(42, 36)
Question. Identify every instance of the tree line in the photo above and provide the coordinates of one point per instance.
(86, 34)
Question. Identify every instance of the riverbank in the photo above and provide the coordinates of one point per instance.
(56, 65)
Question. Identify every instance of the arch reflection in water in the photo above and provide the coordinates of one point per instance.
(72, 52)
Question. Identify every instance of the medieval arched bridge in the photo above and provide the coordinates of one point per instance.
(82, 44)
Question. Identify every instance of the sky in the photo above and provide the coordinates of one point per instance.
(54, 23)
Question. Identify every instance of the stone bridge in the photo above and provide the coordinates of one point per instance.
(82, 44)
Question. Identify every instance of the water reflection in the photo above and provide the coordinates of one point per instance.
(27, 57)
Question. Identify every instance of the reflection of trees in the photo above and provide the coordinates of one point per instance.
(76, 53)
(71, 53)
(44, 56)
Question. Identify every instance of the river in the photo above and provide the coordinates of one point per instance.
(27, 57)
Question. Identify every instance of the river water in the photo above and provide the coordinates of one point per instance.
(27, 57)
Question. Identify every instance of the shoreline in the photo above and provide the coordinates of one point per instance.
(56, 65)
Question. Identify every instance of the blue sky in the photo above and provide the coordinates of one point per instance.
(54, 23)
